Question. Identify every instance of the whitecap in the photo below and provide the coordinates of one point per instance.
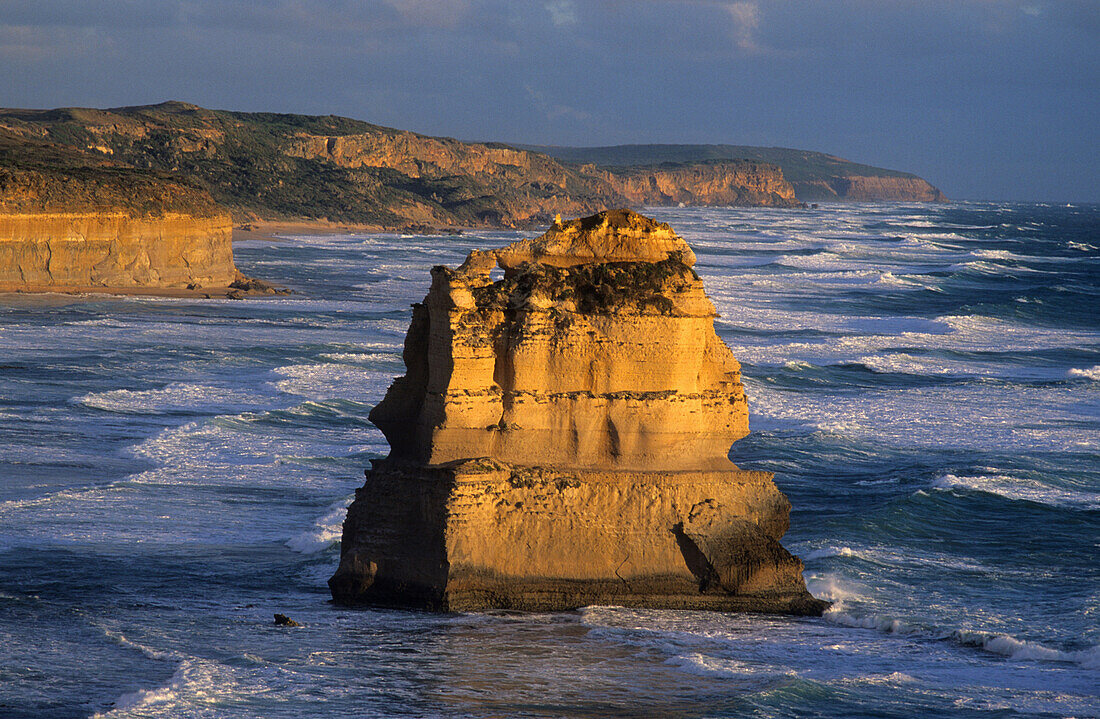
(1023, 650)
(175, 397)
(195, 682)
(708, 666)
(829, 552)
(1092, 373)
(325, 532)
(361, 357)
(1020, 489)
(333, 381)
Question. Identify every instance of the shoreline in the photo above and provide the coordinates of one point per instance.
(271, 231)
(202, 293)
(275, 231)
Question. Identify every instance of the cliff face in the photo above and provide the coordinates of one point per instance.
(273, 166)
(41, 251)
(582, 401)
(813, 175)
(73, 222)
(862, 188)
(734, 184)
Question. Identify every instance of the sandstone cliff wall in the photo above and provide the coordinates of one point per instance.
(735, 184)
(561, 437)
(858, 188)
(42, 251)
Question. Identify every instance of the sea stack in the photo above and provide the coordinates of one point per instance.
(561, 439)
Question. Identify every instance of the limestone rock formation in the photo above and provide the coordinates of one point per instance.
(560, 439)
(113, 250)
(721, 183)
(863, 188)
(72, 222)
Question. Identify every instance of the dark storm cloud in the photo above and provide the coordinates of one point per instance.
(988, 98)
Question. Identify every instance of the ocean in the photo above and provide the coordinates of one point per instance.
(924, 380)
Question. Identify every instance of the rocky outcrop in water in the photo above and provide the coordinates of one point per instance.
(560, 439)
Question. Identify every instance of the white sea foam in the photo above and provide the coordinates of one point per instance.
(1021, 489)
(333, 381)
(149, 652)
(197, 684)
(147, 698)
(709, 666)
(853, 607)
(975, 415)
(996, 255)
(829, 552)
(1022, 650)
(325, 531)
(819, 261)
(361, 357)
(889, 679)
(178, 396)
(1092, 373)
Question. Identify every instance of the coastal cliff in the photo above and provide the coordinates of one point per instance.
(721, 183)
(814, 176)
(69, 222)
(81, 251)
(581, 401)
(277, 167)
(863, 188)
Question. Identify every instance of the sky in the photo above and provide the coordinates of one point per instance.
(987, 99)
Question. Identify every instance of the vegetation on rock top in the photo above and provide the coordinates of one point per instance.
(595, 288)
(42, 176)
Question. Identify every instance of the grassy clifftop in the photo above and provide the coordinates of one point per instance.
(41, 176)
(272, 166)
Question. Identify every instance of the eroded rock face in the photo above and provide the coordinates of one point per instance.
(560, 439)
(715, 183)
(41, 251)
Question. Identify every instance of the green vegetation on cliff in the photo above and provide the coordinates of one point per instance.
(289, 167)
(41, 176)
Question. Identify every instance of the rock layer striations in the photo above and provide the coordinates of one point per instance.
(72, 222)
(560, 439)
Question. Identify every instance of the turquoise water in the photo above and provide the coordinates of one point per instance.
(924, 381)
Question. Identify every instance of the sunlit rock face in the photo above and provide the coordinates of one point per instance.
(561, 436)
(52, 251)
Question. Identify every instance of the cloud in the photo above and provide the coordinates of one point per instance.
(562, 13)
(431, 13)
(746, 18)
(30, 44)
(555, 110)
